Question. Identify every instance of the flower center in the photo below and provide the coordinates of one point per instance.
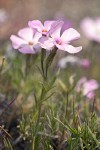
(58, 41)
(30, 43)
(44, 30)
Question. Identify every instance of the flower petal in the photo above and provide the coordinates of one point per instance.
(55, 29)
(70, 35)
(36, 37)
(25, 49)
(90, 95)
(80, 84)
(88, 26)
(67, 24)
(71, 49)
(60, 47)
(46, 43)
(16, 41)
(91, 85)
(26, 33)
(48, 24)
(36, 24)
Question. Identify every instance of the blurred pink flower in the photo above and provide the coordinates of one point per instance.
(73, 61)
(26, 41)
(80, 84)
(68, 60)
(62, 42)
(3, 16)
(87, 87)
(91, 28)
(91, 95)
(85, 63)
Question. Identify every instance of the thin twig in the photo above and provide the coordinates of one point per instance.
(5, 131)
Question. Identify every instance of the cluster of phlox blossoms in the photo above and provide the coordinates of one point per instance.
(47, 36)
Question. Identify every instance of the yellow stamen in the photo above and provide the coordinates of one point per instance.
(30, 43)
(44, 30)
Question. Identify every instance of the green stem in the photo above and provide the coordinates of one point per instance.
(44, 68)
(38, 119)
(43, 56)
(36, 127)
(66, 111)
(43, 94)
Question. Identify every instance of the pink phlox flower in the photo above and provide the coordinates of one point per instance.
(87, 87)
(49, 26)
(47, 42)
(63, 42)
(26, 41)
(91, 28)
